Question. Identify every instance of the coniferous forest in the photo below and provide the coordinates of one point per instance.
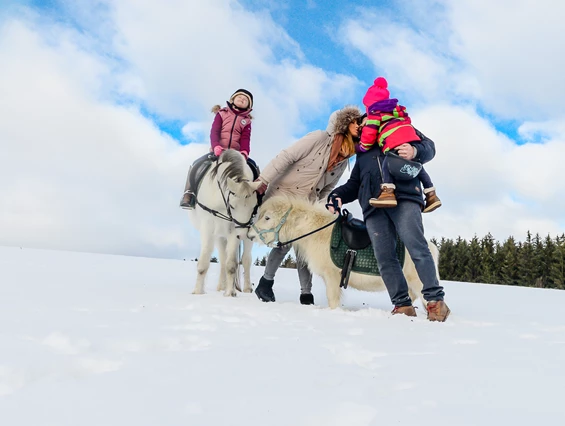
(536, 262)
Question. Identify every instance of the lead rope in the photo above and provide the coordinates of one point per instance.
(237, 271)
(279, 244)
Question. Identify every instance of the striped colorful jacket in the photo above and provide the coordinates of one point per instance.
(387, 124)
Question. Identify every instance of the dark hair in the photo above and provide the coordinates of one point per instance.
(360, 119)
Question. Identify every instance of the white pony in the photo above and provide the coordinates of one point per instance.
(302, 218)
(226, 202)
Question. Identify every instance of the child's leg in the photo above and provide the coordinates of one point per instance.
(385, 173)
(432, 200)
(188, 199)
(425, 179)
(386, 197)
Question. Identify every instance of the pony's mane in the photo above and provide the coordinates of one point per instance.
(235, 168)
(299, 204)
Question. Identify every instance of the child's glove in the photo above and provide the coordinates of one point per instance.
(218, 150)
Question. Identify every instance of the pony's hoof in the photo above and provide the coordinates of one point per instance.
(248, 290)
(230, 294)
(198, 292)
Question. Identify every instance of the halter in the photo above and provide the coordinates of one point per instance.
(228, 217)
(277, 243)
(275, 230)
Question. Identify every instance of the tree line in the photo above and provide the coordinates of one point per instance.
(288, 262)
(536, 262)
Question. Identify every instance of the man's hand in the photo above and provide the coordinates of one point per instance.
(334, 203)
(406, 151)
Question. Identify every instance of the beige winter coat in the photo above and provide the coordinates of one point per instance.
(301, 169)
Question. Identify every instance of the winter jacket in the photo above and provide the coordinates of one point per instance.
(231, 129)
(388, 124)
(301, 169)
(365, 180)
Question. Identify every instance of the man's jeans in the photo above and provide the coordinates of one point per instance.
(276, 256)
(406, 220)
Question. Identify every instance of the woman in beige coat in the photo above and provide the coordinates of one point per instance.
(310, 168)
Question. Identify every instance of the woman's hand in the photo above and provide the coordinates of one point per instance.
(406, 151)
(262, 188)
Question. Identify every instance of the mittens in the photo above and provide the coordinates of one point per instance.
(218, 150)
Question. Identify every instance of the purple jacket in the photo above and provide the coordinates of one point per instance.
(231, 129)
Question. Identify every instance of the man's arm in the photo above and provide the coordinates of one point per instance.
(349, 191)
(425, 149)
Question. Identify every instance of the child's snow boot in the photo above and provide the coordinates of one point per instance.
(432, 200)
(386, 198)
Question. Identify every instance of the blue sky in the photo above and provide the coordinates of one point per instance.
(114, 96)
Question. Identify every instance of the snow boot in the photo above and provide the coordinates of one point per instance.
(386, 198)
(432, 200)
(438, 311)
(264, 290)
(409, 311)
(307, 299)
(188, 200)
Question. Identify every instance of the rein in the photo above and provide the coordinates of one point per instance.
(228, 217)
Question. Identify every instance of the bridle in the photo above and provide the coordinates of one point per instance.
(228, 215)
(276, 231)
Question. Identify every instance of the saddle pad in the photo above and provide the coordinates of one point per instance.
(365, 261)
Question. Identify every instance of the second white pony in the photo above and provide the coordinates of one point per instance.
(284, 219)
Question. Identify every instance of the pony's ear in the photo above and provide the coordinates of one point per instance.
(233, 186)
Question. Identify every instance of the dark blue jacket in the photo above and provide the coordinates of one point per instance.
(365, 180)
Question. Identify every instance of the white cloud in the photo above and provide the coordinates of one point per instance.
(77, 172)
(451, 59)
(472, 50)
(488, 183)
(512, 48)
(82, 168)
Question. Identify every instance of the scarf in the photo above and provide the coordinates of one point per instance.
(343, 147)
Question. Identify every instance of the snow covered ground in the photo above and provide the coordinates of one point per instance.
(109, 340)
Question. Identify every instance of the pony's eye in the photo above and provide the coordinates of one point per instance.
(267, 218)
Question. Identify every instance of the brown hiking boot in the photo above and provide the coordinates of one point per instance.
(438, 311)
(188, 200)
(409, 311)
(386, 198)
(432, 200)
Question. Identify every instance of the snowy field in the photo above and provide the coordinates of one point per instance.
(110, 340)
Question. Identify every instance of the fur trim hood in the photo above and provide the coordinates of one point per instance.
(340, 119)
(216, 108)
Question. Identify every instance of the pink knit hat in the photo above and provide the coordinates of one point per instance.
(377, 92)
